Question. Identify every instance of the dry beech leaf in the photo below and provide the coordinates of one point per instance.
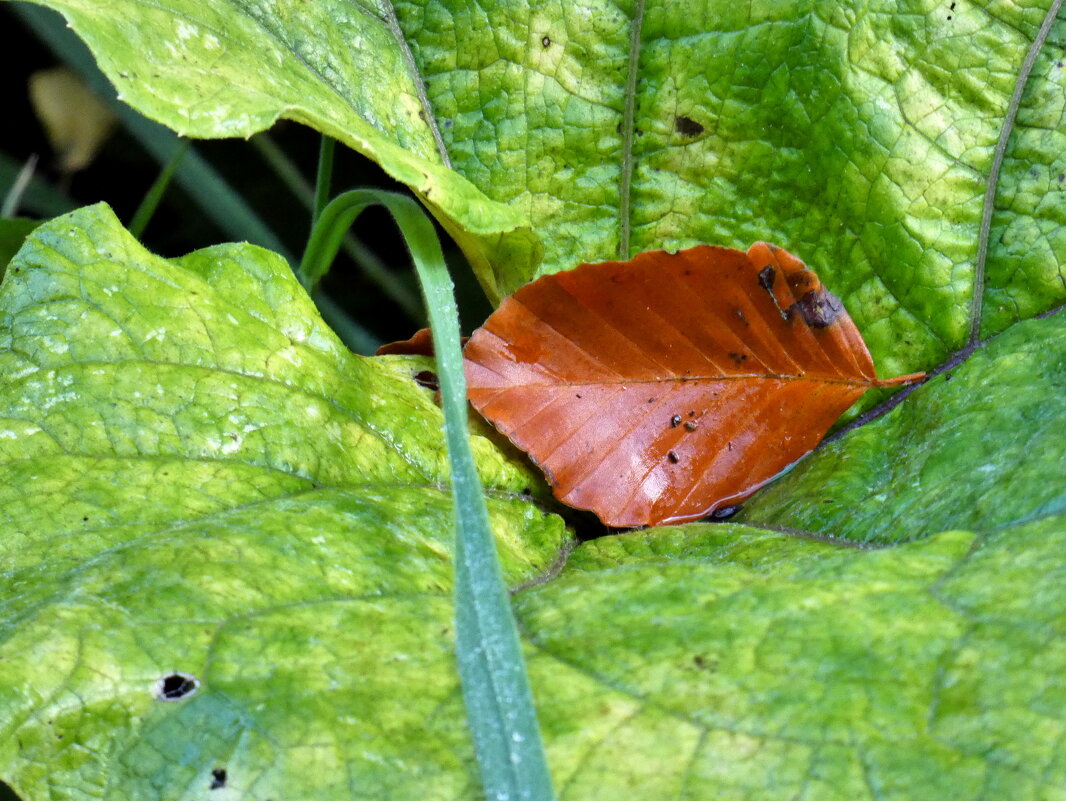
(420, 343)
(660, 389)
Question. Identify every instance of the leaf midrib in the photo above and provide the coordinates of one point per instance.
(628, 126)
(992, 185)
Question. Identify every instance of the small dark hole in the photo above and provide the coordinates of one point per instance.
(176, 686)
(427, 379)
(673, 457)
(218, 778)
(686, 126)
(546, 42)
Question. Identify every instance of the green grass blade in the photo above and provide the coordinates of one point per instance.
(324, 180)
(40, 198)
(13, 197)
(155, 192)
(492, 671)
(365, 259)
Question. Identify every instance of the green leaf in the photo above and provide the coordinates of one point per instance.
(980, 446)
(199, 479)
(743, 662)
(858, 134)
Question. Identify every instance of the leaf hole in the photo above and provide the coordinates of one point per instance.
(176, 686)
(427, 379)
(686, 126)
(545, 42)
(218, 778)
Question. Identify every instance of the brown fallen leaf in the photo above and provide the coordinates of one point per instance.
(660, 389)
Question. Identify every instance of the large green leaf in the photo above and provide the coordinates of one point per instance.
(198, 480)
(860, 134)
(737, 662)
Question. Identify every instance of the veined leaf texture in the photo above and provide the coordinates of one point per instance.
(658, 390)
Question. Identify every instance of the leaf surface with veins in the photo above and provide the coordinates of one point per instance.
(858, 133)
(243, 501)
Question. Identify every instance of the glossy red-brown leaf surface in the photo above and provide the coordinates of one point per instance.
(660, 389)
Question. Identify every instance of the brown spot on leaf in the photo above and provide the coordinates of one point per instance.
(820, 308)
(766, 278)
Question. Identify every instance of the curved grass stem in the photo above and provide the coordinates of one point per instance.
(492, 669)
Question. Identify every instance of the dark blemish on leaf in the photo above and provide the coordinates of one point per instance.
(176, 686)
(427, 379)
(729, 446)
(218, 778)
(675, 421)
(448, 123)
(820, 308)
(738, 358)
(546, 42)
(828, 500)
(578, 394)
(767, 276)
(673, 457)
(1061, 177)
(947, 376)
(690, 426)
(618, 128)
(703, 663)
(692, 413)
(422, 115)
(651, 400)
(638, 132)
(686, 126)
(85, 520)
(527, 491)
(725, 512)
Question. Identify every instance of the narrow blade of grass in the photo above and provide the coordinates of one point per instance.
(155, 193)
(365, 259)
(499, 702)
